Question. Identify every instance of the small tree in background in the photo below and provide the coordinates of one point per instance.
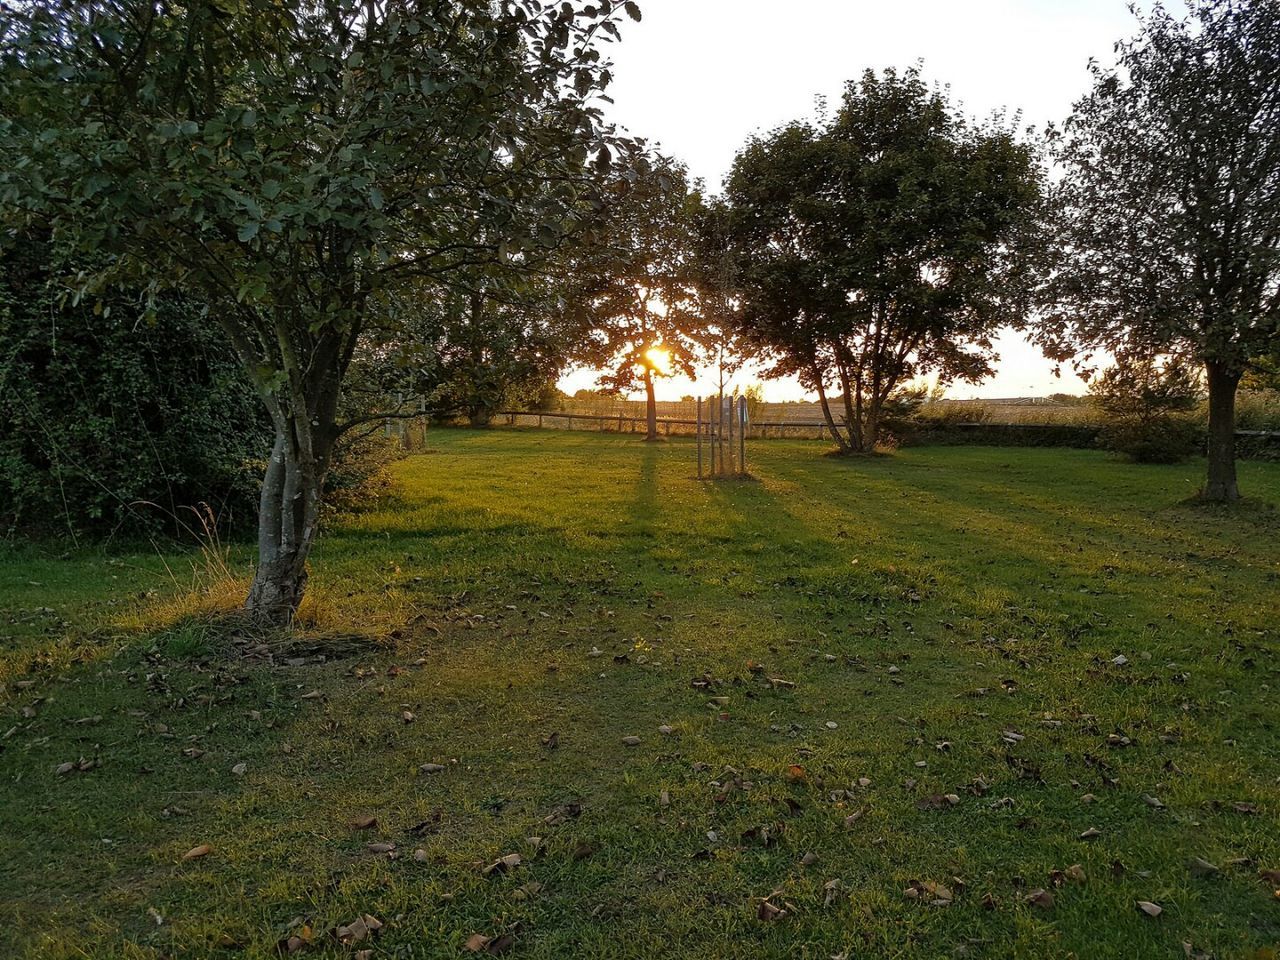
(891, 241)
(1169, 221)
(1148, 404)
(494, 347)
(714, 280)
(635, 293)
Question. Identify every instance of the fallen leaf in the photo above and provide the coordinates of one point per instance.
(1202, 868)
(632, 740)
(361, 928)
(431, 768)
(768, 911)
(832, 889)
(1091, 834)
(366, 822)
(503, 864)
(1149, 908)
(239, 769)
(1040, 898)
(195, 853)
(1075, 872)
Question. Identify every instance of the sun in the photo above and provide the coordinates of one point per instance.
(659, 360)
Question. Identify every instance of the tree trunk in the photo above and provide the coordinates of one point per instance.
(288, 519)
(480, 417)
(1221, 449)
(650, 406)
(840, 439)
(871, 425)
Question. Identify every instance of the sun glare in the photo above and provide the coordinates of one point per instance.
(659, 360)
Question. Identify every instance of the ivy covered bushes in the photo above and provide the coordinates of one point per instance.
(109, 419)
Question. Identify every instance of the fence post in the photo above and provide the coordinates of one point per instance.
(698, 434)
(742, 436)
(729, 432)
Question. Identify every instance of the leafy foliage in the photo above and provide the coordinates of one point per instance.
(1148, 408)
(635, 293)
(109, 418)
(494, 347)
(888, 241)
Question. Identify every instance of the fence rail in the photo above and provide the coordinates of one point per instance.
(1035, 434)
(667, 426)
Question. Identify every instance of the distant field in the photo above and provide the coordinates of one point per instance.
(954, 702)
(997, 411)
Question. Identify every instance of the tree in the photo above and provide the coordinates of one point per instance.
(294, 165)
(495, 346)
(635, 283)
(889, 241)
(713, 277)
(1169, 222)
(1147, 403)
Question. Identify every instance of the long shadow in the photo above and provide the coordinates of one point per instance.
(989, 533)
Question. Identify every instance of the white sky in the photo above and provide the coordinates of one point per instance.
(698, 77)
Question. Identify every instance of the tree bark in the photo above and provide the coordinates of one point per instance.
(840, 439)
(1221, 449)
(650, 406)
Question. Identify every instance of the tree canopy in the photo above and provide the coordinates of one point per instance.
(885, 242)
(635, 288)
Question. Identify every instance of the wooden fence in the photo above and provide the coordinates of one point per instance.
(1251, 444)
(667, 426)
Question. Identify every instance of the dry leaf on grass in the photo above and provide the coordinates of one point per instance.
(1040, 898)
(769, 912)
(1200, 867)
(359, 929)
(195, 853)
(503, 864)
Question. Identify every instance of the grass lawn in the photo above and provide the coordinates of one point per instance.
(1083, 661)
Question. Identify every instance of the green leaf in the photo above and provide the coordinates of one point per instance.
(248, 231)
(633, 10)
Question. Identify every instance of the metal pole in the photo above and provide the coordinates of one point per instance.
(698, 434)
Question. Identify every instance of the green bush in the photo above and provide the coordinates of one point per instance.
(1148, 408)
(104, 412)
(1168, 439)
(1258, 410)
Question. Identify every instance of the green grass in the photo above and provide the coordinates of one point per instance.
(922, 604)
